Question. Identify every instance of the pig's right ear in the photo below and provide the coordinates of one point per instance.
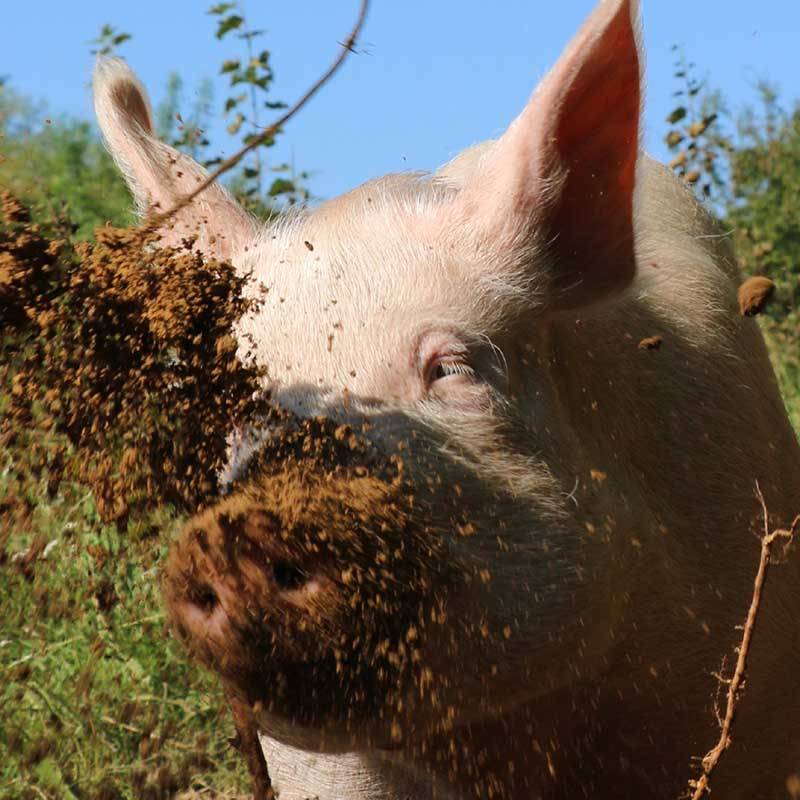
(561, 179)
(157, 174)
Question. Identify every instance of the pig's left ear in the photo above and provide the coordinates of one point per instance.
(157, 174)
(563, 174)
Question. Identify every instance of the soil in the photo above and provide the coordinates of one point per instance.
(119, 363)
(754, 294)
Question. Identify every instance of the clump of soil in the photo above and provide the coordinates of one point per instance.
(651, 343)
(754, 294)
(119, 356)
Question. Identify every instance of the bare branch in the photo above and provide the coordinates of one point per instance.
(711, 759)
(346, 48)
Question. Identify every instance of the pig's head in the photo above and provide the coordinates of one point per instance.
(426, 564)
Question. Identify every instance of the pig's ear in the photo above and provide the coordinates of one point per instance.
(565, 170)
(157, 174)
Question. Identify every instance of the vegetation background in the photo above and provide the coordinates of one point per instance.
(96, 701)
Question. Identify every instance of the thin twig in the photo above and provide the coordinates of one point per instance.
(44, 651)
(142, 620)
(232, 161)
(124, 725)
(711, 759)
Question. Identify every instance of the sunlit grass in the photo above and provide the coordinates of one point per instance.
(96, 701)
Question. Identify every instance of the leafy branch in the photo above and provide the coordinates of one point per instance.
(249, 81)
(108, 41)
(268, 133)
(694, 137)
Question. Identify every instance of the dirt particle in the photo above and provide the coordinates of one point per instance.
(396, 733)
(651, 343)
(106, 596)
(127, 350)
(598, 476)
(754, 294)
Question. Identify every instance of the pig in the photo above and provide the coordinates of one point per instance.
(489, 544)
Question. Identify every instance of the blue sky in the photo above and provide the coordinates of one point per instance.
(434, 76)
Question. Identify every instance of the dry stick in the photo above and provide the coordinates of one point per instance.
(347, 47)
(711, 759)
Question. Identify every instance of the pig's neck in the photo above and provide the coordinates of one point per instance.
(299, 775)
(530, 753)
(550, 750)
(629, 728)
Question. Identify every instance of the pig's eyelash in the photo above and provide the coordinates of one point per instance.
(444, 362)
(447, 367)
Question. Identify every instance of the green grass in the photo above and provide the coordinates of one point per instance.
(96, 700)
(786, 363)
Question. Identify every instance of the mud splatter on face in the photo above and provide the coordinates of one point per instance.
(313, 587)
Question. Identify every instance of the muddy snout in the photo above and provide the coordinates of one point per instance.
(310, 591)
(233, 579)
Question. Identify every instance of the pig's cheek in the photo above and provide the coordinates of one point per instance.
(462, 395)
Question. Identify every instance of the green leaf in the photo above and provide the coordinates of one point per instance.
(229, 24)
(677, 115)
(221, 8)
(251, 137)
(49, 775)
(233, 127)
(281, 186)
(231, 65)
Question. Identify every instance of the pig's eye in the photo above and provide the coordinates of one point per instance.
(445, 367)
(450, 367)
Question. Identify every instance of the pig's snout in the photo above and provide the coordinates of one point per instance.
(284, 579)
(238, 589)
(201, 611)
(210, 602)
(316, 594)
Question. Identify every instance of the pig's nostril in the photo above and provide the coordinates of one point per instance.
(287, 575)
(206, 598)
